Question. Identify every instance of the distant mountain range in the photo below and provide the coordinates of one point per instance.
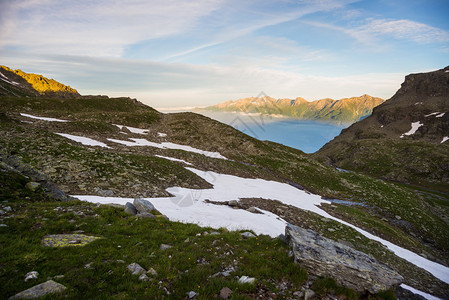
(343, 111)
(19, 83)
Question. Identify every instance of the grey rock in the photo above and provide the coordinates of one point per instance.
(308, 294)
(143, 277)
(191, 294)
(130, 209)
(145, 215)
(143, 205)
(254, 210)
(3, 225)
(7, 209)
(233, 203)
(225, 293)
(31, 275)
(152, 272)
(214, 233)
(2, 212)
(32, 186)
(246, 279)
(247, 235)
(136, 269)
(104, 193)
(40, 290)
(351, 268)
(165, 246)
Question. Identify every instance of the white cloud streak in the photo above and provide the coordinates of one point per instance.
(100, 28)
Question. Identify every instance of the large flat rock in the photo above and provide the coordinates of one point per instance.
(40, 290)
(349, 267)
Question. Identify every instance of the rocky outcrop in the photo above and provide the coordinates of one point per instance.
(351, 268)
(38, 179)
(405, 139)
(40, 290)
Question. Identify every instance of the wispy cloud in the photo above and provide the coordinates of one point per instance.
(101, 28)
(407, 30)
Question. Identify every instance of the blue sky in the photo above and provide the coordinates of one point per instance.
(174, 53)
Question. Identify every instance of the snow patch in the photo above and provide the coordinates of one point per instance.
(6, 79)
(189, 206)
(167, 145)
(444, 139)
(418, 292)
(432, 114)
(415, 126)
(43, 118)
(160, 134)
(83, 140)
(174, 159)
(133, 129)
(440, 115)
(180, 208)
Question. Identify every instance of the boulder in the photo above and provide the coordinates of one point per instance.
(145, 215)
(40, 290)
(247, 235)
(349, 267)
(136, 269)
(130, 208)
(143, 206)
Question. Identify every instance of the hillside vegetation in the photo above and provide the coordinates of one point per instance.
(415, 219)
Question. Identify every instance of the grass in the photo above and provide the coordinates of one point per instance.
(187, 266)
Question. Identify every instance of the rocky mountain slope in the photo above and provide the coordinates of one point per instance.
(19, 83)
(117, 147)
(343, 111)
(405, 139)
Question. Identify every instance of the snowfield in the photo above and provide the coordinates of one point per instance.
(83, 140)
(174, 159)
(133, 129)
(166, 145)
(189, 206)
(43, 118)
(415, 127)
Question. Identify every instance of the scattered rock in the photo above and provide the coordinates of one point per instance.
(165, 246)
(130, 209)
(143, 277)
(152, 272)
(254, 210)
(31, 275)
(191, 294)
(32, 186)
(145, 215)
(225, 293)
(398, 217)
(351, 268)
(3, 225)
(7, 209)
(308, 294)
(40, 290)
(88, 266)
(143, 205)
(104, 193)
(246, 279)
(214, 233)
(233, 203)
(136, 269)
(187, 240)
(247, 235)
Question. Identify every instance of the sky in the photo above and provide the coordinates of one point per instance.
(177, 53)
